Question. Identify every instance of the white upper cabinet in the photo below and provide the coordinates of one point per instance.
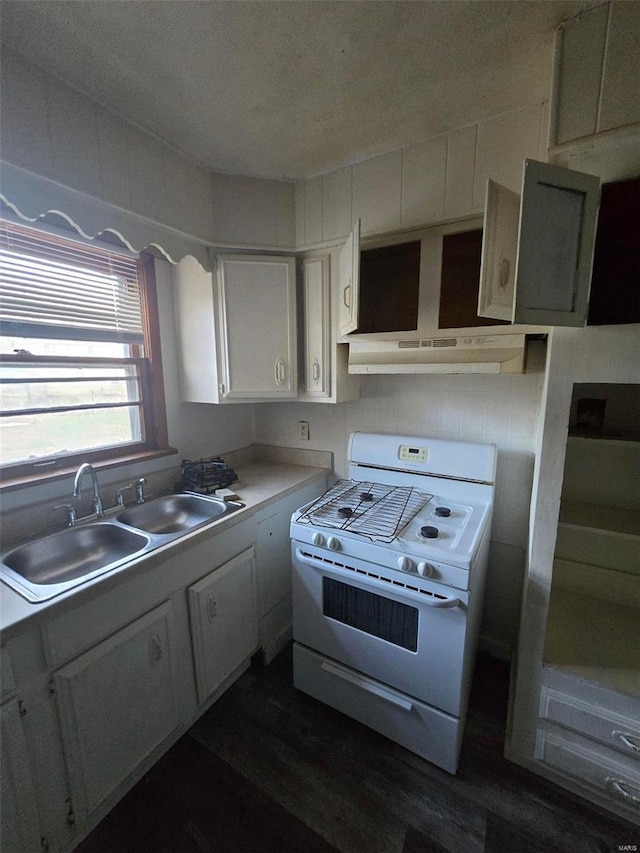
(317, 329)
(257, 316)
(237, 329)
(326, 375)
(537, 249)
(349, 282)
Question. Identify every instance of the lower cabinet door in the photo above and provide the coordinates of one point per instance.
(224, 624)
(117, 703)
(20, 830)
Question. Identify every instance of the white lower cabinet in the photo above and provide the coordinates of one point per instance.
(591, 736)
(224, 623)
(94, 693)
(117, 704)
(273, 563)
(19, 813)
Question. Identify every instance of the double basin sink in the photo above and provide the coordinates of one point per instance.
(44, 568)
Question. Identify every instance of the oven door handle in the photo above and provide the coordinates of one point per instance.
(442, 602)
(431, 599)
(367, 685)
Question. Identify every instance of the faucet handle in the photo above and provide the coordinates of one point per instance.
(71, 512)
(140, 484)
(120, 494)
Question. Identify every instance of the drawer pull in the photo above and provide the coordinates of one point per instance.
(626, 740)
(367, 685)
(618, 788)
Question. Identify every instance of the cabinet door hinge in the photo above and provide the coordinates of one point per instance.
(22, 708)
(44, 843)
(71, 816)
(52, 687)
(221, 388)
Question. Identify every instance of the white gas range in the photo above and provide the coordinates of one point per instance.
(388, 579)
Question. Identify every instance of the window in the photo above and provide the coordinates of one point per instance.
(80, 364)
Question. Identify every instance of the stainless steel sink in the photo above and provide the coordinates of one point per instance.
(43, 568)
(46, 567)
(175, 513)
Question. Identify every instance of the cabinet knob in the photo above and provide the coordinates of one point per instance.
(155, 650)
(626, 740)
(212, 608)
(618, 787)
(279, 371)
(315, 371)
(347, 298)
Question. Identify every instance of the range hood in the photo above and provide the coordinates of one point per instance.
(474, 354)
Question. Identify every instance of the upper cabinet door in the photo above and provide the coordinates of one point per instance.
(317, 316)
(257, 315)
(349, 283)
(538, 271)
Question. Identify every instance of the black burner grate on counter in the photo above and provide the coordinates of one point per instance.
(370, 509)
(205, 475)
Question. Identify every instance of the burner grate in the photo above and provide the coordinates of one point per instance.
(369, 509)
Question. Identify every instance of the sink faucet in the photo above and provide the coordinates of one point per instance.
(87, 468)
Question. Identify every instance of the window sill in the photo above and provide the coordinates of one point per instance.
(11, 485)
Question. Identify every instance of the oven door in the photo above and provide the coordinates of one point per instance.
(367, 618)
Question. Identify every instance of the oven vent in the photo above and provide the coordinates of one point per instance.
(445, 342)
(409, 344)
(374, 575)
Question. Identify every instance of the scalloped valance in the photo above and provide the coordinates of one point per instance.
(33, 197)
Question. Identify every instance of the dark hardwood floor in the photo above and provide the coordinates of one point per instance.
(269, 769)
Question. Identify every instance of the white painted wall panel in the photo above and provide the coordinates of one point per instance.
(424, 171)
(313, 211)
(146, 174)
(114, 156)
(621, 78)
(188, 192)
(24, 126)
(250, 211)
(74, 139)
(461, 150)
(503, 144)
(299, 212)
(337, 203)
(377, 191)
(583, 43)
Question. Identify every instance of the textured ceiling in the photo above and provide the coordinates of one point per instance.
(293, 89)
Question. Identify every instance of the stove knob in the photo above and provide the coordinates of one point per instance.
(443, 511)
(317, 539)
(333, 543)
(425, 569)
(405, 564)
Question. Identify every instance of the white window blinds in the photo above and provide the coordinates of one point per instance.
(55, 288)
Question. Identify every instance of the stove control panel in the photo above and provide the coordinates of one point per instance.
(413, 454)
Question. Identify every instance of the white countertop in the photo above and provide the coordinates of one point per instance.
(259, 484)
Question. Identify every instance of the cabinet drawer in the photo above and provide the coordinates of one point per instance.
(615, 775)
(429, 733)
(602, 724)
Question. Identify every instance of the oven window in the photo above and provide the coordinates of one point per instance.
(376, 615)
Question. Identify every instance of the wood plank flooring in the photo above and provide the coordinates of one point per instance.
(271, 770)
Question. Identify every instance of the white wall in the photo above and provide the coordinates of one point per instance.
(56, 133)
(499, 409)
(195, 429)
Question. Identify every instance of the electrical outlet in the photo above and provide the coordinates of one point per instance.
(303, 430)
